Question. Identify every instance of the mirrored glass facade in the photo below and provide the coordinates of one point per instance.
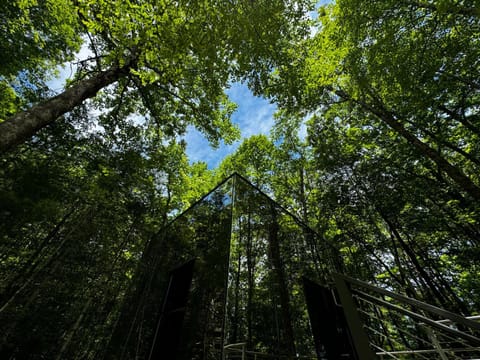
(222, 280)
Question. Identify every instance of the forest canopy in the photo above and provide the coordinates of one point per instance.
(375, 145)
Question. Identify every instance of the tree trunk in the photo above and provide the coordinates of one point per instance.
(303, 196)
(279, 271)
(388, 118)
(236, 313)
(449, 145)
(461, 118)
(56, 253)
(29, 267)
(455, 174)
(250, 280)
(23, 125)
(432, 286)
(70, 334)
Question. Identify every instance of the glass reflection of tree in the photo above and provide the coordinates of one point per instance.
(268, 255)
(250, 255)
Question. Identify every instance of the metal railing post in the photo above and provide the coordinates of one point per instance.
(360, 339)
(436, 343)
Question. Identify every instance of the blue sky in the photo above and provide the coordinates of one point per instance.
(253, 116)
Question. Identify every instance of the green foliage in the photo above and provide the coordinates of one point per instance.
(75, 216)
(253, 159)
(386, 197)
(35, 38)
(9, 101)
(168, 62)
(81, 199)
(37, 34)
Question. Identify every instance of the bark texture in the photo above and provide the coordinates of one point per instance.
(24, 125)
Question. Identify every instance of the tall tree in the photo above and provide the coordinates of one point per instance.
(35, 34)
(408, 64)
(174, 59)
(34, 38)
(387, 211)
(76, 210)
(253, 159)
